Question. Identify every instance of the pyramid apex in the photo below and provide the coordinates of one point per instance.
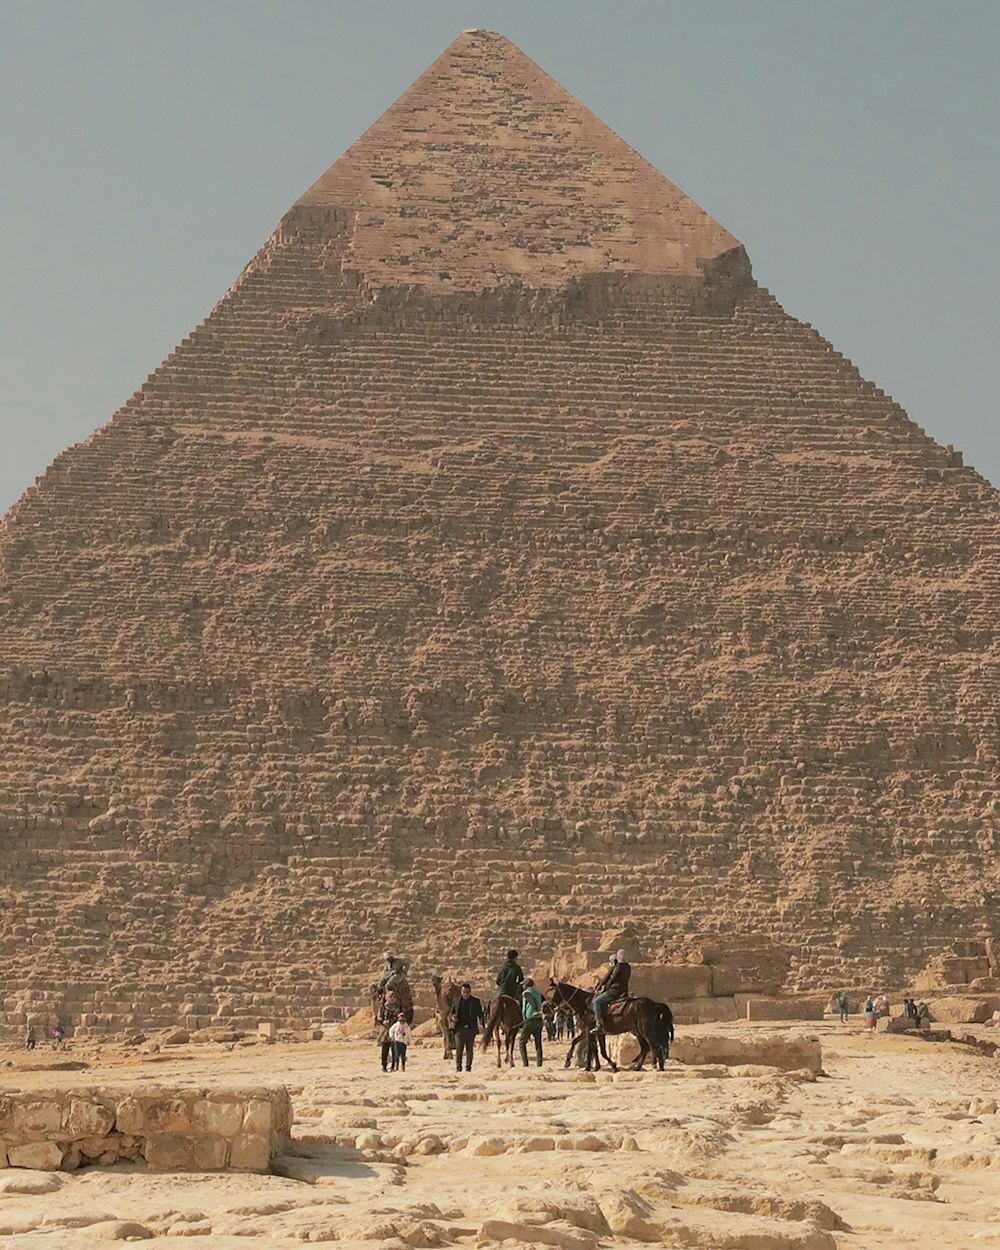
(487, 172)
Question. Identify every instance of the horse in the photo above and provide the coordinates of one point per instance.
(445, 996)
(505, 1018)
(652, 1023)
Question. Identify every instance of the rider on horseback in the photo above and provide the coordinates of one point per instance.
(510, 978)
(611, 988)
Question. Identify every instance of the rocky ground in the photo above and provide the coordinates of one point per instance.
(883, 1150)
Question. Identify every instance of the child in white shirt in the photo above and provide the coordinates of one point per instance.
(400, 1035)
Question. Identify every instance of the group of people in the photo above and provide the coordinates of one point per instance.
(56, 1035)
(394, 1015)
(877, 1006)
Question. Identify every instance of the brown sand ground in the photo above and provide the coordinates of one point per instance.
(881, 1152)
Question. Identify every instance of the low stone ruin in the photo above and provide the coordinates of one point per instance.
(170, 1129)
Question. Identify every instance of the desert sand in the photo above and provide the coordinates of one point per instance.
(882, 1149)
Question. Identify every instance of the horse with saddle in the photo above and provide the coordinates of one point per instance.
(609, 1009)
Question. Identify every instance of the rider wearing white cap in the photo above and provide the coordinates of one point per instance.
(612, 987)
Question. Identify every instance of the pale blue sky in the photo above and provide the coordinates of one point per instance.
(148, 148)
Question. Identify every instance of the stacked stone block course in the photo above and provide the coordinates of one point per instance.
(171, 1129)
(530, 556)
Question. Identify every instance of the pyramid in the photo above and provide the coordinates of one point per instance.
(498, 563)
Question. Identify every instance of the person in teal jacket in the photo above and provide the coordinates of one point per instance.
(531, 1012)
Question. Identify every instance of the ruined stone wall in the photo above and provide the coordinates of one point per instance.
(171, 1129)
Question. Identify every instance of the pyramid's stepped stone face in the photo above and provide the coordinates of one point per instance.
(464, 619)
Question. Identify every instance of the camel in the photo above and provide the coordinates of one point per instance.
(446, 995)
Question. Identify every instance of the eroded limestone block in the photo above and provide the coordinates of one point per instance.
(40, 1156)
(628, 1215)
(119, 1230)
(129, 1117)
(251, 1152)
(167, 1116)
(958, 1009)
(223, 1117)
(788, 1051)
(669, 982)
(180, 1152)
(257, 1116)
(704, 1010)
(36, 1119)
(88, 1119)
(752, 1007)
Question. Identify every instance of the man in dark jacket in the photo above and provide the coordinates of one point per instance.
(466, 1019)
(510, 978)
(613, 987)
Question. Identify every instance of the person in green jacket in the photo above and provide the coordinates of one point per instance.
(531, 1011)
(510, 978)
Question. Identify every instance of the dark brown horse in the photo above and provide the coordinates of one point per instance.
(504, 1019)
(650, 1022)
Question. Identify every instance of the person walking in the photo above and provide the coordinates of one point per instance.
(30, 1040)
(400, 1035)
(531, 1013)
(843, 1006)
(467, 1017)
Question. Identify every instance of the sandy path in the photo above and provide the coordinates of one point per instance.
(881, 1151)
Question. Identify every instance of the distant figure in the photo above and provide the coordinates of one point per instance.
(531, 1013)
(387, 1013)
(467, 1018)
(882, 1003)
(843, 1006)
(871, 1013)
(57, 1037)
(909, 1009)
(923, 1015)
(400, 1035)
(510, 978)
(564, 1023)
(30, 1040)
(613, 987)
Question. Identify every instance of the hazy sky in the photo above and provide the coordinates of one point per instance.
(148, 148)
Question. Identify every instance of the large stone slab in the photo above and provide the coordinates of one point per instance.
(788, 1051)
(671, 982)
(962, 1009)
(754, 1007)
